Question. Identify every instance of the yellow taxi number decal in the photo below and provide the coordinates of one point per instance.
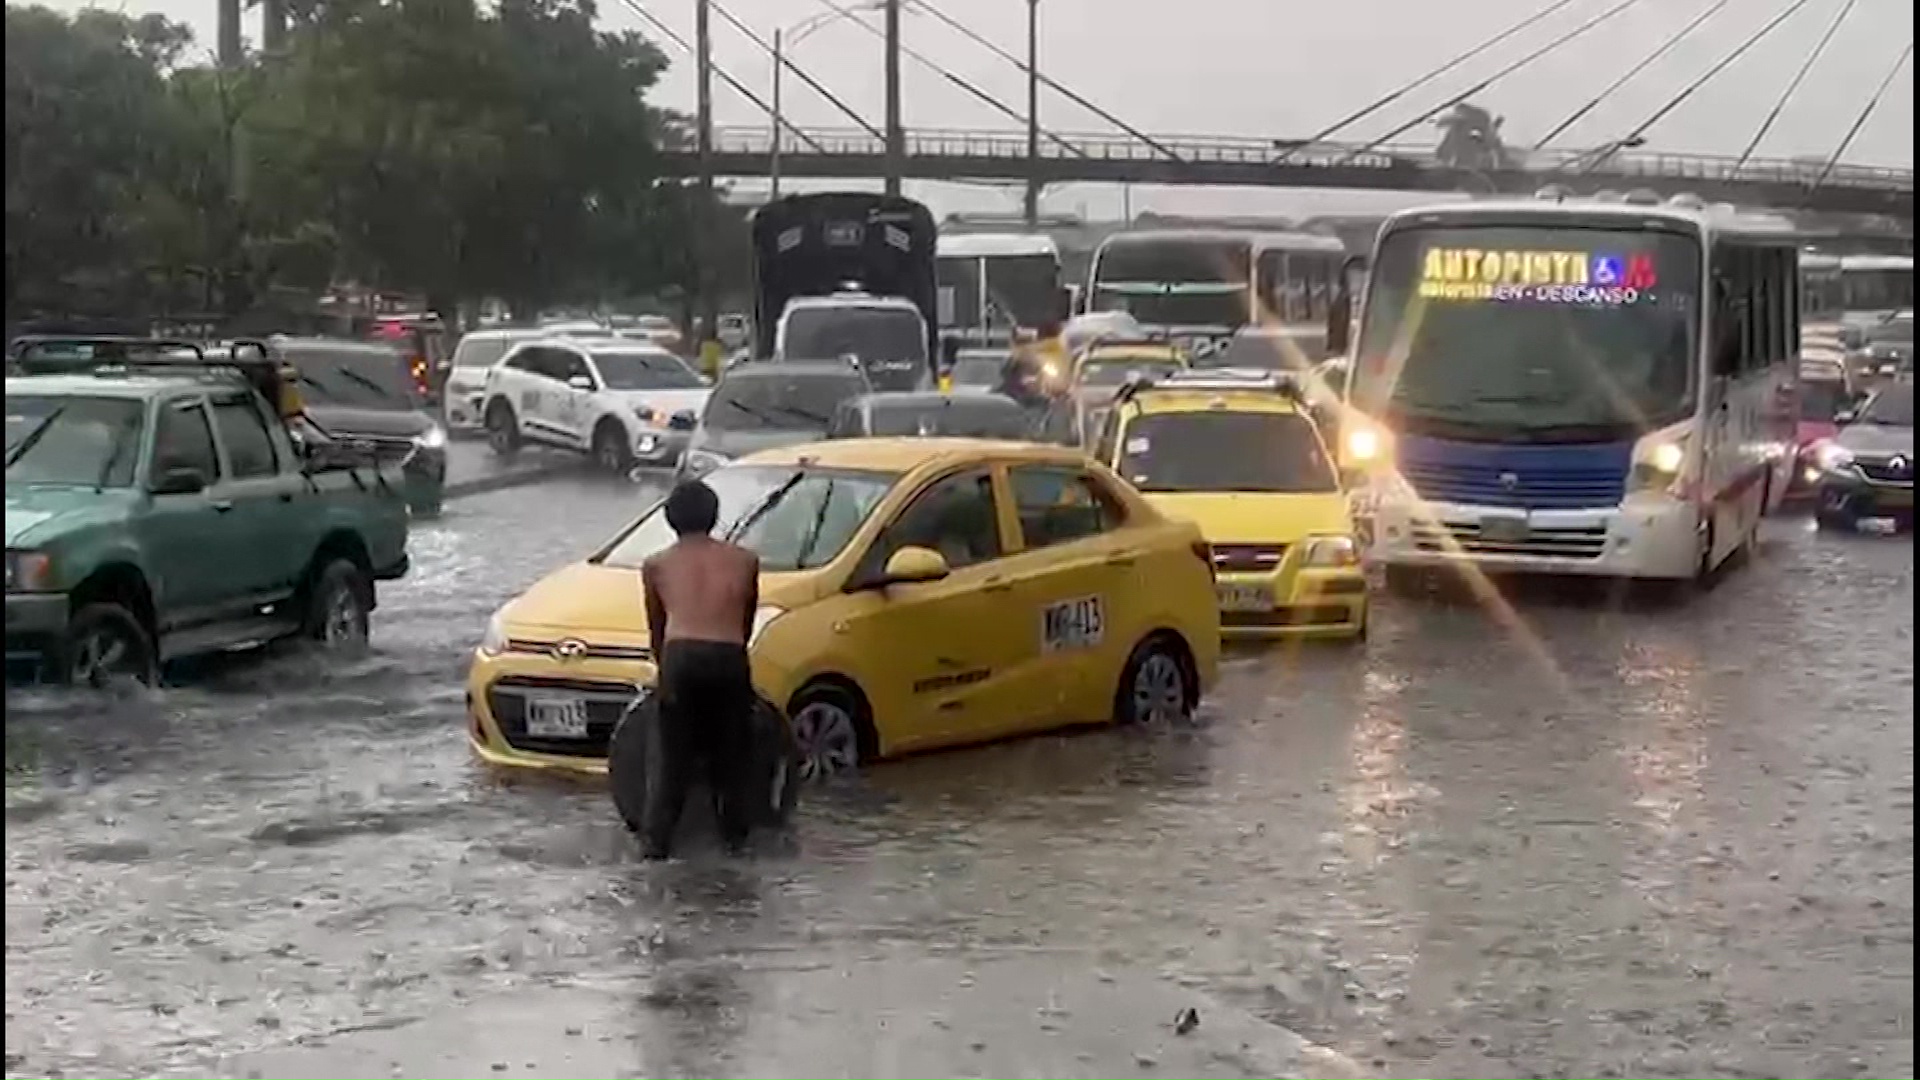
(1072, 624)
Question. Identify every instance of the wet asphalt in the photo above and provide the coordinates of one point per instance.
(1525, 834)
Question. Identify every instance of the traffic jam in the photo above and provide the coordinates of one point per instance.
(986, 505)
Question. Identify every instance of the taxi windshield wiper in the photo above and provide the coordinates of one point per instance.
(752, 517)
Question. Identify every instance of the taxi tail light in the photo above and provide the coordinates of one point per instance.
(1204, 552)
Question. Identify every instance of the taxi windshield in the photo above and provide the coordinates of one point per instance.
(1267, 452)
(793, 518)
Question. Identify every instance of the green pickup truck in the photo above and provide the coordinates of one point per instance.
(167, 510)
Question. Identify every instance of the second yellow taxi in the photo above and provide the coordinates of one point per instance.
(1239, 453)
(917, 593)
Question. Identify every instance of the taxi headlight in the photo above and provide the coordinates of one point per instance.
(1326, 552)
(28, 571)
(1363, 444)
(1833, 457)
(763, 617)
(433, 438)
(494, 641)
(701, 462)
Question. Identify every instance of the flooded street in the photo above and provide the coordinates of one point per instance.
(1544, 839)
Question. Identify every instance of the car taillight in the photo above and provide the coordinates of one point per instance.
(1204, 552)
(418, 367)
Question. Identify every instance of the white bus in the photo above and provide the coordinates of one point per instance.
(1574, 388)
(995, 284)
(1876, 285)
(1201, 286)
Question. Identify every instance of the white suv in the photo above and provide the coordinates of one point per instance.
(466, 387)
(624, 402)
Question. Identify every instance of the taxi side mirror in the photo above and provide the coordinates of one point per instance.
(911, 565)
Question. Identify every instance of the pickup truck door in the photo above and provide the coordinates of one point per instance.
(183, 535)
(259, 526)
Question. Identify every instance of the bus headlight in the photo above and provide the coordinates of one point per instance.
(1363, 444)
(1659, 465)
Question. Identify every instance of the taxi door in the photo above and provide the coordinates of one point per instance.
(935, 658)
(1071, 585)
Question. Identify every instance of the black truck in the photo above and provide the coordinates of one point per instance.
(848, 275)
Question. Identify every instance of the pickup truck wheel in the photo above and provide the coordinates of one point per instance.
(503, 429)
(105, 644)
(338, 607)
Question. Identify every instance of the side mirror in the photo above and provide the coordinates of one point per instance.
(914, 564)
(1845, 416)
(580, 382)
(180, 481)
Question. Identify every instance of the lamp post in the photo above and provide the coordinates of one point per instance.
(794, 35)
(1033, 114)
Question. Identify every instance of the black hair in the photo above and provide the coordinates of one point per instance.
(692, 508)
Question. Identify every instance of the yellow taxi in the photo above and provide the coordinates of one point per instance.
(916, 593)
(1239, 453)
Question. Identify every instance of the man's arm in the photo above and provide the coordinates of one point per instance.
(656, 611)
(753, 595)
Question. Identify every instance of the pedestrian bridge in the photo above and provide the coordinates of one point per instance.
(945, 154)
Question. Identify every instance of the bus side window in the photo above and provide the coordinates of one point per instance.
(1729, 331)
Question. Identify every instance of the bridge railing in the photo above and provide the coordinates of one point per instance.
(1011, 145)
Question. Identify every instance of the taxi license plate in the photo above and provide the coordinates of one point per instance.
(1503, 530)
(1244, 598)
(556, 717)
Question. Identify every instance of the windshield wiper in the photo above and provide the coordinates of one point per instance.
(809, 417)
(106, 467)
(383, 391)
(766, 506)
(758, 414)
(19, 449)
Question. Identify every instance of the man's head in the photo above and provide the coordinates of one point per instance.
(692, 508)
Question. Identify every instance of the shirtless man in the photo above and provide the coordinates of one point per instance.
(701, 594)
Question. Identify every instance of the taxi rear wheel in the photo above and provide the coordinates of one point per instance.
(1156, 685)
(832, 731)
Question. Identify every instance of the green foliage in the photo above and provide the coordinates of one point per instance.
(418, 145)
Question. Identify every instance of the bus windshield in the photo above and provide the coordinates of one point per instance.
(1022, 291)
(1877, 289)
(1531, 332)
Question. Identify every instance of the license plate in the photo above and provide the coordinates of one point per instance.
(556, 717)
(1503, 530)
(1244, 598)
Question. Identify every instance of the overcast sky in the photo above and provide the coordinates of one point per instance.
(1286, 68)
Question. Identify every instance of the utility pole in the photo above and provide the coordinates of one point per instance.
(896, 136)
(273, 25)
(228, 33)
(773, 160)
(1033, 114)
(706, 304)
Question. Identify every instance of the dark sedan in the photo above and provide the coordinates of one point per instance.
(363, 392)
(968, 414)
(1866, 469)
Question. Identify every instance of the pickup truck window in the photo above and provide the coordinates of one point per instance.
(244, 433)
(72, 440)
(184, 441)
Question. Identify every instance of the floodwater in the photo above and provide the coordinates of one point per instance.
(1545, 838)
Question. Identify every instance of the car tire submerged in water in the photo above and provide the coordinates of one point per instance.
(104, 642)
(610, 450)
(503, 429)
(1155, 685)
(339, 607)
(635, 747)
(831, 730)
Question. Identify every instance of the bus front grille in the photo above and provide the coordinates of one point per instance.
(1577, 542)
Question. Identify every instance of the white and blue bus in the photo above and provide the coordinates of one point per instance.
(993, 285)
(1573, 387)
(1202, 286)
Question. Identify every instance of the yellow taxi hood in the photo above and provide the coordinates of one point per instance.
(584, 597)
(1240, 517)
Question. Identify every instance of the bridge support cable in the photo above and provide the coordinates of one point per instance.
(1047, 81)
(1688, 90)
(1380, 103)
(734, 84)
(1860, 121)
(800, 73)
(1793, 84)
(970, 88)
(1645, 62)
(1456, 99)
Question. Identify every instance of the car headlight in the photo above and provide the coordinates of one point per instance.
(701, 462)
(646, 414)
(763, 617)
(1833, 457)
(494, 641)
(433, 438)
(29, 571)
(1324, 552)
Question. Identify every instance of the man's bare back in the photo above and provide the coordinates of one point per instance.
(701, 589)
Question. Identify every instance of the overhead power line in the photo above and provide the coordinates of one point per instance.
(1497, 76)
(668, 33)
(1861, 120)
(1688, 91)
(1050, 83)
(1786, 95)
(1383, 102)
(923, 60)
(800, 73)
(1645, 62)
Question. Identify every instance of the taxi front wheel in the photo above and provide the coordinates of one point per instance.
(1156, 685)
(831, 730)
